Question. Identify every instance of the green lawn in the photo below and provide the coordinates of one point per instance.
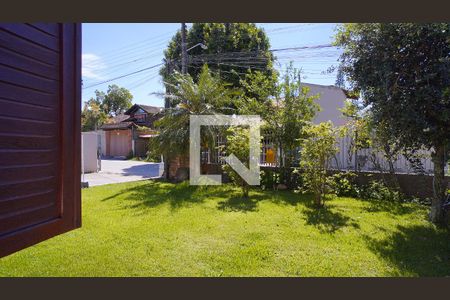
(151, 228)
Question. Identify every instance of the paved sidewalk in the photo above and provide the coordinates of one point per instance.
(115, 171)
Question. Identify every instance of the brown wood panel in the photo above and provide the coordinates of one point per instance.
(40, 91)
(27, 141)
(25, 79)
(26, 186)
(19, 61)
(26, 172)
(26, 157)
(32, 34)
(25, 47)
(27, 217)
(17, 203)
(9, 108)
(29, 126)
(18, 95)
(48, 28)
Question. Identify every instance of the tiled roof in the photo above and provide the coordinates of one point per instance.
(121, 125)
(149, 109)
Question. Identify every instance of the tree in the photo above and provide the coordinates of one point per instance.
(234, 50)
(285, 111)
(116, 100)
(357, 128)
(238, 143)
(403, 73)
(317, 149)
(206, 97)
(92, 116)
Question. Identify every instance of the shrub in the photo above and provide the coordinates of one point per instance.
(377, 190)
(269, 178)
(343, 184)
(315, 154)
(238, 144)
(153, 153)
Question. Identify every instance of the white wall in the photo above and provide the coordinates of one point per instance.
(102, 141)
(89, 151)
(331, 99)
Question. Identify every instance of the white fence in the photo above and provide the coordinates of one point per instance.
(364, 160)
(369, 160)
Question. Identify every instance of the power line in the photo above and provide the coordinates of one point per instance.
(125, 75)
(236, 55)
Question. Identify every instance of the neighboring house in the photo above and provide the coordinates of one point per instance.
(331, 100)
(128, 134)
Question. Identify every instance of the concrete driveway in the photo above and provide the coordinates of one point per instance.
(115, 171)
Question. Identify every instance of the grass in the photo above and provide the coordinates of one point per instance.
(152, 228)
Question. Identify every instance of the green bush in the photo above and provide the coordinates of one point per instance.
(269, 178)
(289, 176)
(153, 153)
(343, 184)
(378, 190)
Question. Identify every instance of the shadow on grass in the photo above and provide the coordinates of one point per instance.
(392, 207)
(420, 250)
(238, 203)
(327, 219)
(235, 202)
(157, 192)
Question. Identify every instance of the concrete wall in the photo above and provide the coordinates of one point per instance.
(89, 152)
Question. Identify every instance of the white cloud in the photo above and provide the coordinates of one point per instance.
(92, 66)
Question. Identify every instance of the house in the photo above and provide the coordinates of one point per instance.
(331, 100)
(127, 134)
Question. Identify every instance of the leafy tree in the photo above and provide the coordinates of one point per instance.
(206, 97)
(285, 111)
(238, 144)
(402, 71)
(317, 149)
(115, 101)
(233, 50)
(92, 115)
(357, 128)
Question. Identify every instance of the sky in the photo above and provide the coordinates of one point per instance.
(112, 50)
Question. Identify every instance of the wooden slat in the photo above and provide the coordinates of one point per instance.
(27, 142)
(27, 157)
(32, 34)
(22, 219)
(26, 171)
(17, 125)
(28, 80)
(48, 28)
(25, 63)
(18, 203)
(17, 94)
(24, 187)
(10, 108)
(24, 47)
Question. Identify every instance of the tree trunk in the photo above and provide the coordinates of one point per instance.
(356, 151)
(439, 190)
(166, 167)
(389, 156)
(245, 190)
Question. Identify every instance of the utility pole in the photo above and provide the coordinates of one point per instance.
(169, 70)
(183, 49)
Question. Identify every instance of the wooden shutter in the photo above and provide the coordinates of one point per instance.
(40, 102)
